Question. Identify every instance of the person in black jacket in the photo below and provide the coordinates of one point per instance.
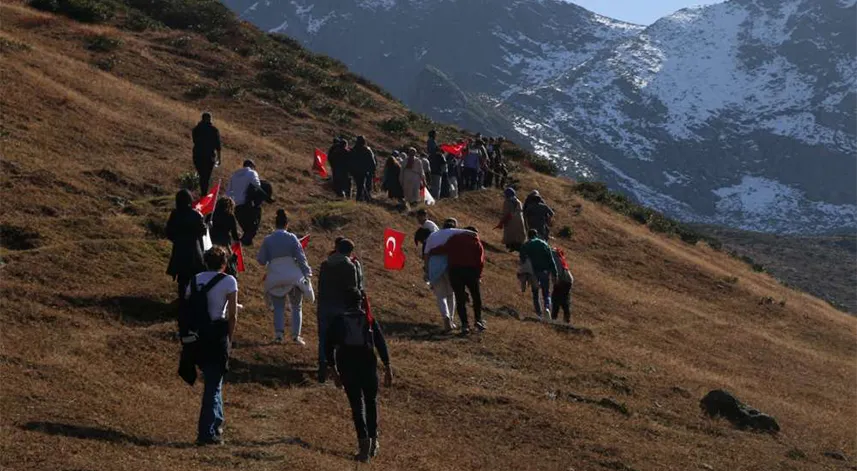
(224, 230)
(340, 288)
(337, 155)
(206, 151)
(185, 229)
(354, 365)
(363, 165)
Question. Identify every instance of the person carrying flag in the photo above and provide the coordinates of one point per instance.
(185, 229)
(287, 275)
(206, 150)
(352, 338)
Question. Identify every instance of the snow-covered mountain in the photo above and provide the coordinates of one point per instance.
(740, 113)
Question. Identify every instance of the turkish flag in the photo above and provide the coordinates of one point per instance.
(239, 255)
(205, 205)
(304, 241)
(318, 163)
(454, 149)
(394, 258)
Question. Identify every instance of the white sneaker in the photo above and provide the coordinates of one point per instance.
(299, 340)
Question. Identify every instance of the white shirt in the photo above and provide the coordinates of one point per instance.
(217, 294)
(239, 182)
(431, 226)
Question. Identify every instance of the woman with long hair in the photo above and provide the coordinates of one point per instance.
(185, 229)
(391, 183)
(224, 230)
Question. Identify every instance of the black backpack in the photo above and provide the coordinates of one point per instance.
(357, 331)
(194, 319)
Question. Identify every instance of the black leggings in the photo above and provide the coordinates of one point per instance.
(204, 170)
(249, 218)
(465, 279)
(359, 375)
(561, 298)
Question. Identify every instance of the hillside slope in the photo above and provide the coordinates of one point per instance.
(90, 162)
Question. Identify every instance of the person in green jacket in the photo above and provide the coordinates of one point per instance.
(538, 252)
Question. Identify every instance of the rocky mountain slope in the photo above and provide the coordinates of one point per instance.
(740, 113)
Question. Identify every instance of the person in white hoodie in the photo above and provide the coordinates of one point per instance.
(287, 275)
(246, 212)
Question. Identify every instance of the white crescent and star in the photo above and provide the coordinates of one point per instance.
(390, 241)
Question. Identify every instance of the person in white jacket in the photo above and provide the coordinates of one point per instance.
(287, 275)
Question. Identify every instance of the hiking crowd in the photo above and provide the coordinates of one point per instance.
(207, 256)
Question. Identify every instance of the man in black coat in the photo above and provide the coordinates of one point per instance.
(363, 166)
(206, 151)
(337, 155)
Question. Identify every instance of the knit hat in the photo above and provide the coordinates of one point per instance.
(509, 192)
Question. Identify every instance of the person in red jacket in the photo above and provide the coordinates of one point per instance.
(466, 259)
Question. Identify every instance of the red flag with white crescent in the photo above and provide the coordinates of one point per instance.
(304, 241)
(205, 205)
(394, 257)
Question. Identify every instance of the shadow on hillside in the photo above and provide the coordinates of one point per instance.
(560, 326)
(296, 441)
(416, 331)
(270, 374)
(96, 433)
(129, 309)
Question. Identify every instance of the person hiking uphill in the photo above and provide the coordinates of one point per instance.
(391, 180)
(561, 295)
(465, 262)
(206, 151)
(340, 281)
(287, 275)
(206, 337)
(539, 216)
(352, 340)
(337, 155)
(437, 165)
(363, 165)
(413, 178)
(224, 230)
(245, 189)
(512, 222)
(185, 229)
(540, 256)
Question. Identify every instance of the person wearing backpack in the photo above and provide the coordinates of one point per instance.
(352, 339)
(206, 325)
(539, 254)
(561, 295)
(340, 288)
(287, 275)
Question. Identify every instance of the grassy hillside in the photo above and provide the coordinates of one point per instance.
(96, 122)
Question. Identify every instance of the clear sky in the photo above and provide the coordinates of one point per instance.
(643, 12)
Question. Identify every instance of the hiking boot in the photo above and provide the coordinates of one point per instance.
(480, 326)
(363, 453)
(299, 340)
(465, 330)
(278, 338)
(374, 448)
(447, 325)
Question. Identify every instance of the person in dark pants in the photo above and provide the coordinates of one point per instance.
(212, 351)
(466, 260)
(340, 287)
(248, 192)
(206, 151)
(363, 166)
(561, 295)
(185, 229)
(337, 155)
(354, 365)
(224, 230)
(539, 253)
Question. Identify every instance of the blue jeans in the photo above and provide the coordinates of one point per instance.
(211, 412)
(543, 278)
(296, 297)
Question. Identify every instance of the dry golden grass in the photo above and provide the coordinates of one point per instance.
(90, 161)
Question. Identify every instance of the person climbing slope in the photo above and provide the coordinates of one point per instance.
(352, 340)
(539, 254)
(512, 222)
(206, 151)
(185, 229)
(288, 275)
